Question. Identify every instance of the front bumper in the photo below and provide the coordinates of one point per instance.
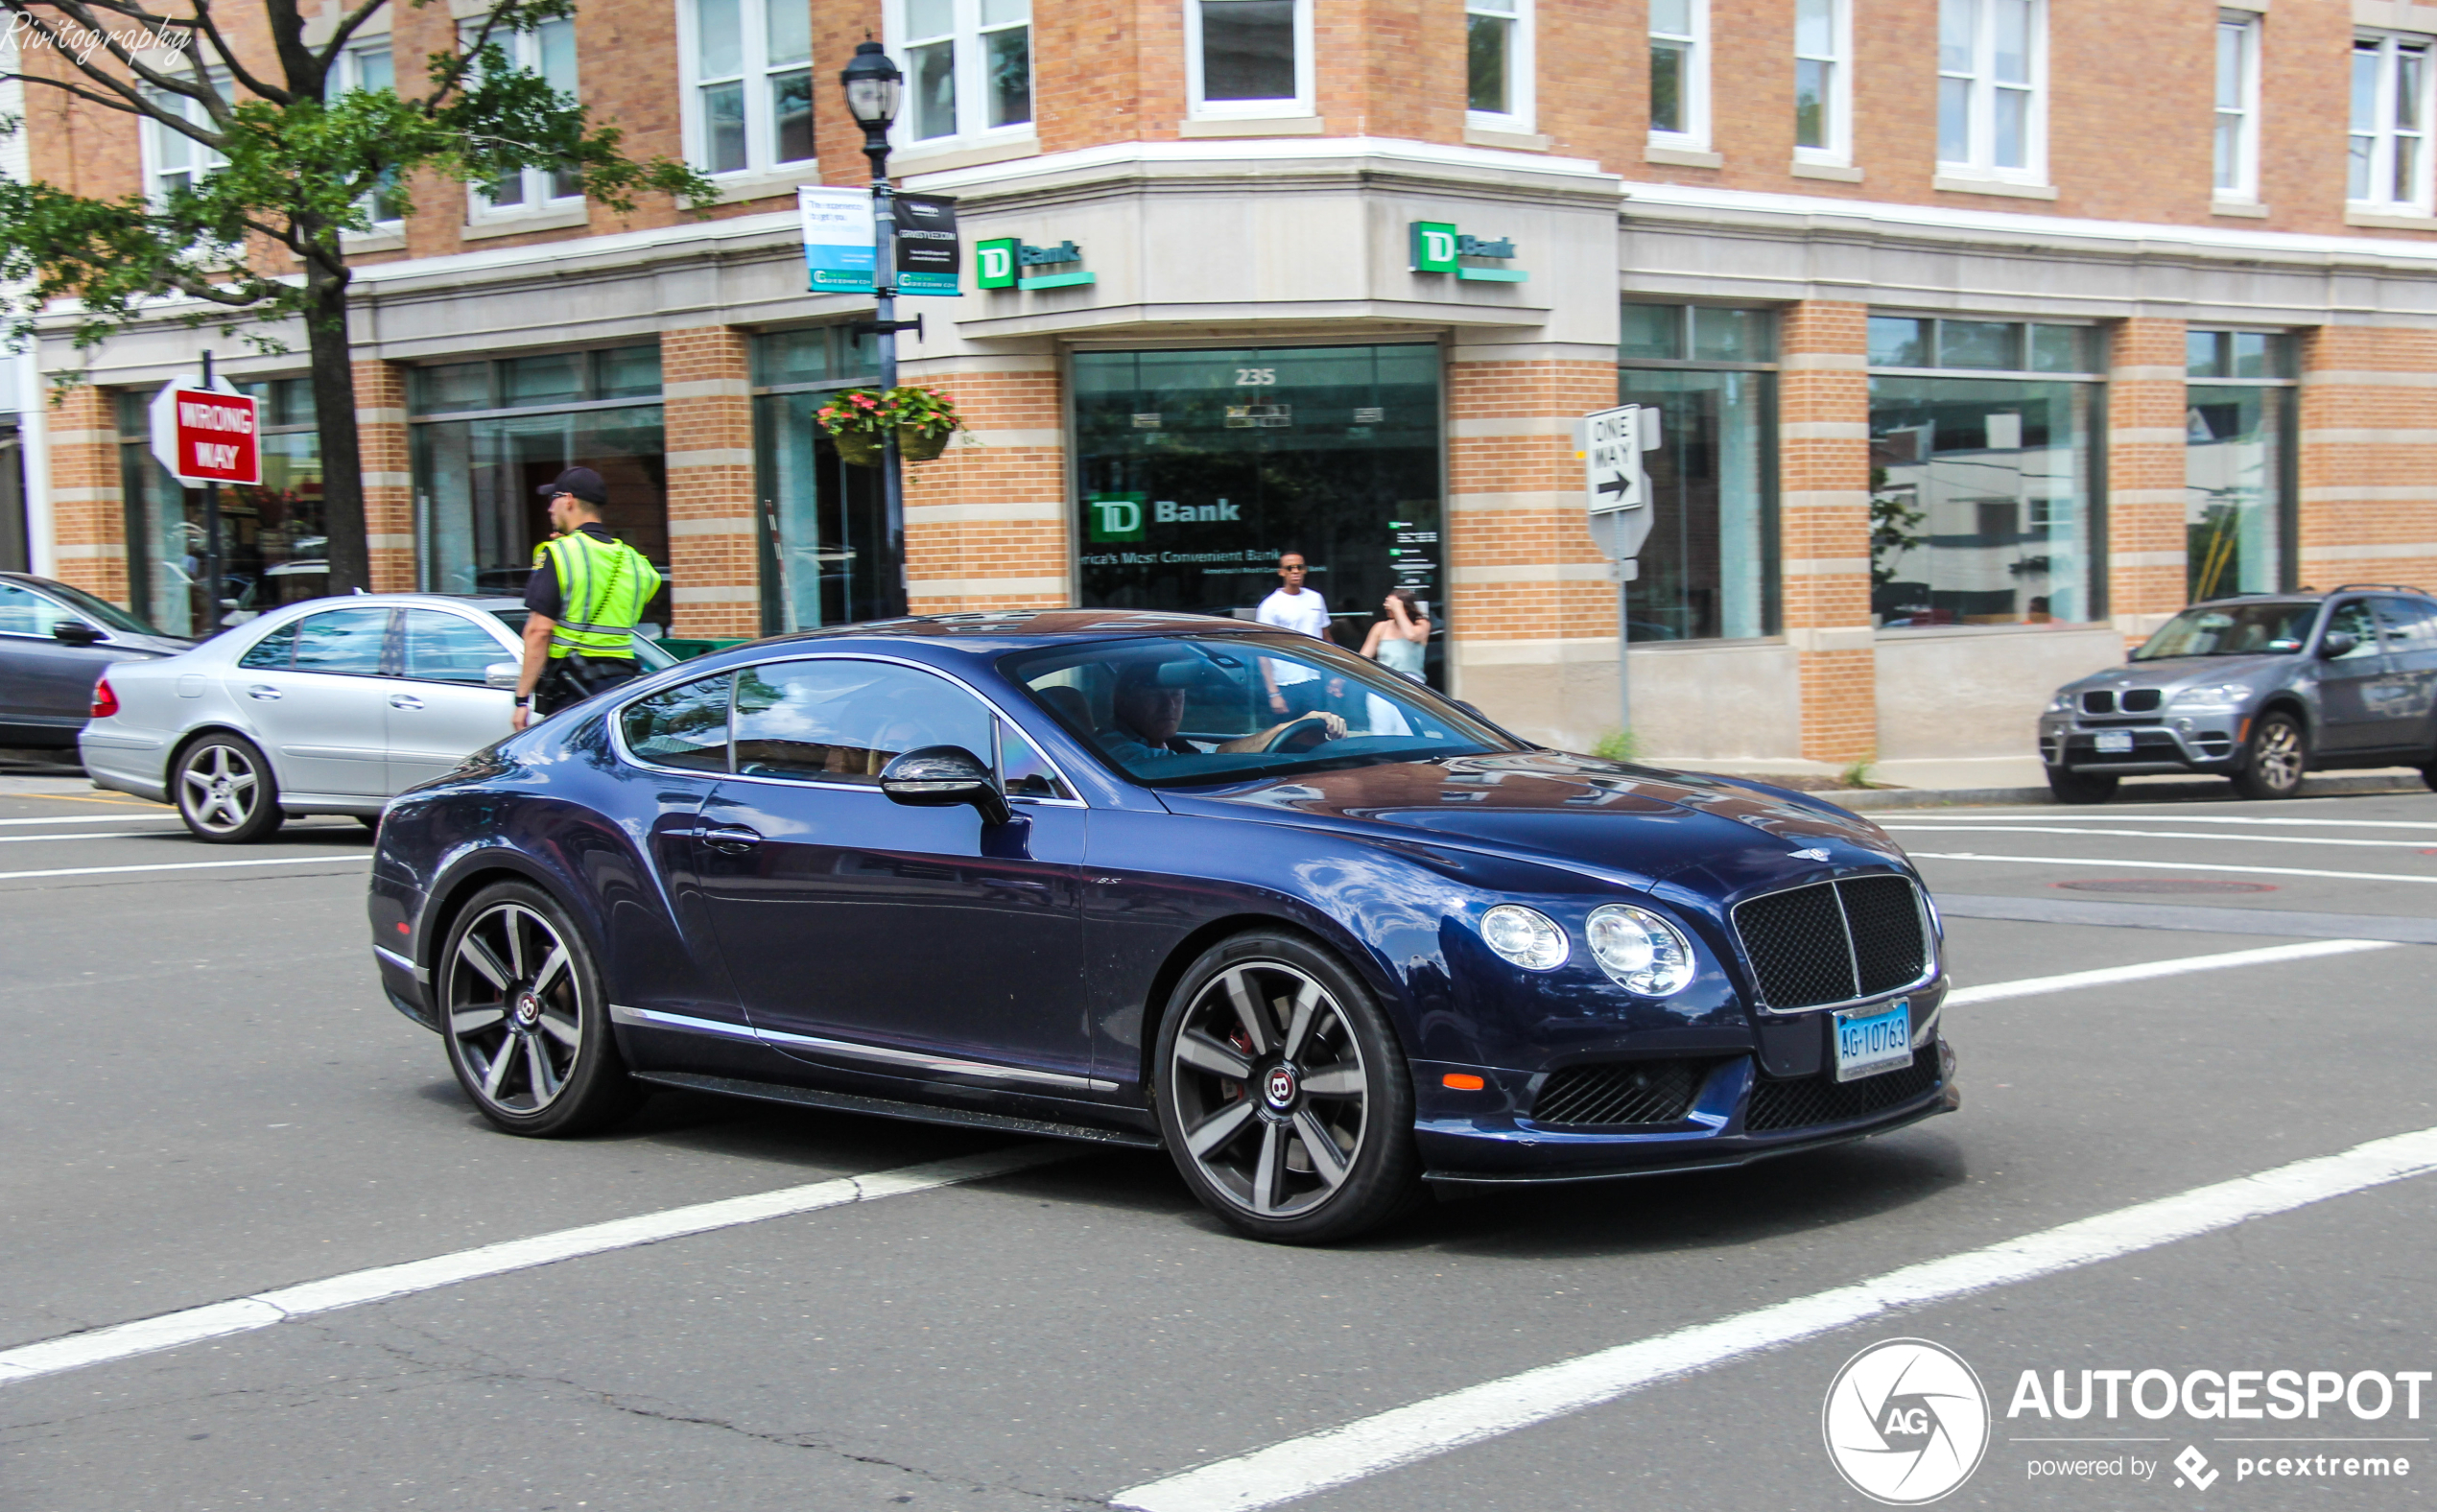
(2208, 743)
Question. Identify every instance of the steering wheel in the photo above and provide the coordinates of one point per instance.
(1309, 733)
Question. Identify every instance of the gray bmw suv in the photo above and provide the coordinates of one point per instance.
(2260, 689)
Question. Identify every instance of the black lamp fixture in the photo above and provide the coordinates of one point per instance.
(872, 86)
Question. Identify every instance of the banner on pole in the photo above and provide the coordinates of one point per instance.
(838, 238)
(928, 256)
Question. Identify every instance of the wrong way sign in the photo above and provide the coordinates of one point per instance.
(207, 435)
(1613, 482)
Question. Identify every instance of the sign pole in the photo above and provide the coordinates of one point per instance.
(1615, 489)
(211, 538)
(1625, 642)
(897, 599)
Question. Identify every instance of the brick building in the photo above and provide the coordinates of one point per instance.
(1986, 333)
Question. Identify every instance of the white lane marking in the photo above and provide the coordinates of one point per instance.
(181, 866)
(1299, 1467)
(101, 818)
(96, 835)
(243, 1315)
(2151, 834)
(2148, 971)
(2171, 818)
(2155, 865)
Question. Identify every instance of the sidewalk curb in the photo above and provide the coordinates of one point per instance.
(1860, 800)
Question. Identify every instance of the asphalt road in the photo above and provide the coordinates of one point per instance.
(204, 1097)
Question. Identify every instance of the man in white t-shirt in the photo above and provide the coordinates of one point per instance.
(1294, 690)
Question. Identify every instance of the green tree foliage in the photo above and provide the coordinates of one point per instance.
(293, 166)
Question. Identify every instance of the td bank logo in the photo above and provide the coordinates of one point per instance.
(1114, 516)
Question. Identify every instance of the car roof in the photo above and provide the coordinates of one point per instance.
(1030, 626)
(2317, 595)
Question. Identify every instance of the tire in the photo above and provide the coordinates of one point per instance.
(2429, 775)
(2073, 787)
(525, 1017)
(372, 823)
(1236, 1139)
(226, 790)
(2276, 759)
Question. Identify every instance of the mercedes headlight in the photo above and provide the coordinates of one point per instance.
(2222, 695)
(1526, 936)
(1644, 953)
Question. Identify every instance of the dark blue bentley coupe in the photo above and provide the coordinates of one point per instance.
(1320, 933)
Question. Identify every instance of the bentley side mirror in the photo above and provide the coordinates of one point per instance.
(2336, 643)
(74, 632)
(503, 674)
(943, 777)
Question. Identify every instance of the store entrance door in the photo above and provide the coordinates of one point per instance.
(1196, 468)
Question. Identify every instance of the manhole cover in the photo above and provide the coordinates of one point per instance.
(2163, 885)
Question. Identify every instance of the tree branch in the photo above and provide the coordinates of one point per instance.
(345, 30)
(228, 58)
(82, 58)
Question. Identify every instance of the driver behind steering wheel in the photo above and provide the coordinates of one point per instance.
(1149, 712)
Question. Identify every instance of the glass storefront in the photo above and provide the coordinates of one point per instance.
(2237, 488)
(1983, 496)
(1709, 568)
(274, 548)
(1194, 469)
(831, 563)
(487, 434)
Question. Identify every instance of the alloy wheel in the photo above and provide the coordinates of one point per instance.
(513, 1008)
(2279, 757)
(1270, 1089)
(220, 788)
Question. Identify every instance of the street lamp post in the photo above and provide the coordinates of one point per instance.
(872, 85)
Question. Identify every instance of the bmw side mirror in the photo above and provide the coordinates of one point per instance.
(943, 777)
(2336, 643)
(503, 674)
(74, 632)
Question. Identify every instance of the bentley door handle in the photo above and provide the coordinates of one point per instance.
(733, 838)
(263, 691)
(405, 700)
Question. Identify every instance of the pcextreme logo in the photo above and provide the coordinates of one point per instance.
(1905, 1422)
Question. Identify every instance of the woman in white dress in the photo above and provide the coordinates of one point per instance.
(1397, 640)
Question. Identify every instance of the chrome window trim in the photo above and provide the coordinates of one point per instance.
(1928, 944)
(938, 1065)
(618, 732)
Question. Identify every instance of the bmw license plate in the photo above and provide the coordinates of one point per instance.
(1873, 1040)
(2115, 742)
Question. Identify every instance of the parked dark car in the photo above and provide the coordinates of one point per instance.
(1066, 873)
(2262, 689)
(55, 644)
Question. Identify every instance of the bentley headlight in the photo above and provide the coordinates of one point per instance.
(2223, 696)
(1643, 952)
(1526, 936)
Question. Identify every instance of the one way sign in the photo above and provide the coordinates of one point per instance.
(1612, 477)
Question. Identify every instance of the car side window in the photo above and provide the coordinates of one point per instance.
(25, 613)
(343, 641)
(838, 719)
(274, 650)
(441, 646)
(2353, 618)
(683, 726)
(1023, 771)
(2410, 627)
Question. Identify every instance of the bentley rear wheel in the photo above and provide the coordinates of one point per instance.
(527, 1026)
(1283, 1094)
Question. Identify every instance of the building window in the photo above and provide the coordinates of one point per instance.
(2238, 458)
(1709, 569)
(178, 161)
(1679, 72)
(1248, 58)
(1823, 100)
(1990, 77)
(547, 51)
(273, 547)
(831, 563)
(487, 434)
(2389, 163)
(371, 66)
(748, 107)
(1498, 65)
(1984, 505)
(969, 66)
(2237, 140)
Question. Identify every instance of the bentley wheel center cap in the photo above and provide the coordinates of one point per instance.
(528, 1010)
(1280, 1087)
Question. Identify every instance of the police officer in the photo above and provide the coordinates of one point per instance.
(587, 591)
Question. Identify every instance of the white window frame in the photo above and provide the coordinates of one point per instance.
(2243, 113)
(2382, 171)
(157, 137)
(1838, 149)
(971, 41)
(350, 78)
(1980, 125)
(1696, 136)
(541, 196)
(761, 128)
(1306, 96)
(1521, 100)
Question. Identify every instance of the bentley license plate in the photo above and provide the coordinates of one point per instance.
(2115, 742)
(1874, 1040)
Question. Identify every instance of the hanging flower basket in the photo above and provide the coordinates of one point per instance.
(925, 422)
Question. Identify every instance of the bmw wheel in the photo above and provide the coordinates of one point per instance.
(2278, 758)
(225, 792)
(1283, 1094)
(525, 1018)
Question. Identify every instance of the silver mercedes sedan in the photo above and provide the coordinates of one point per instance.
(329, 706)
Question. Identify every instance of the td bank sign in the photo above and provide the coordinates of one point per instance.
(1439, 247)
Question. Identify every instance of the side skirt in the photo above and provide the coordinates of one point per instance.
(889, 1108)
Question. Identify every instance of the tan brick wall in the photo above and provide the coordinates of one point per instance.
(714, 519)
(2368, 461)
(1521, 565)
(2145, 503)
(87, 507)
(986, 525)
(389, 474)
(1824, 525)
